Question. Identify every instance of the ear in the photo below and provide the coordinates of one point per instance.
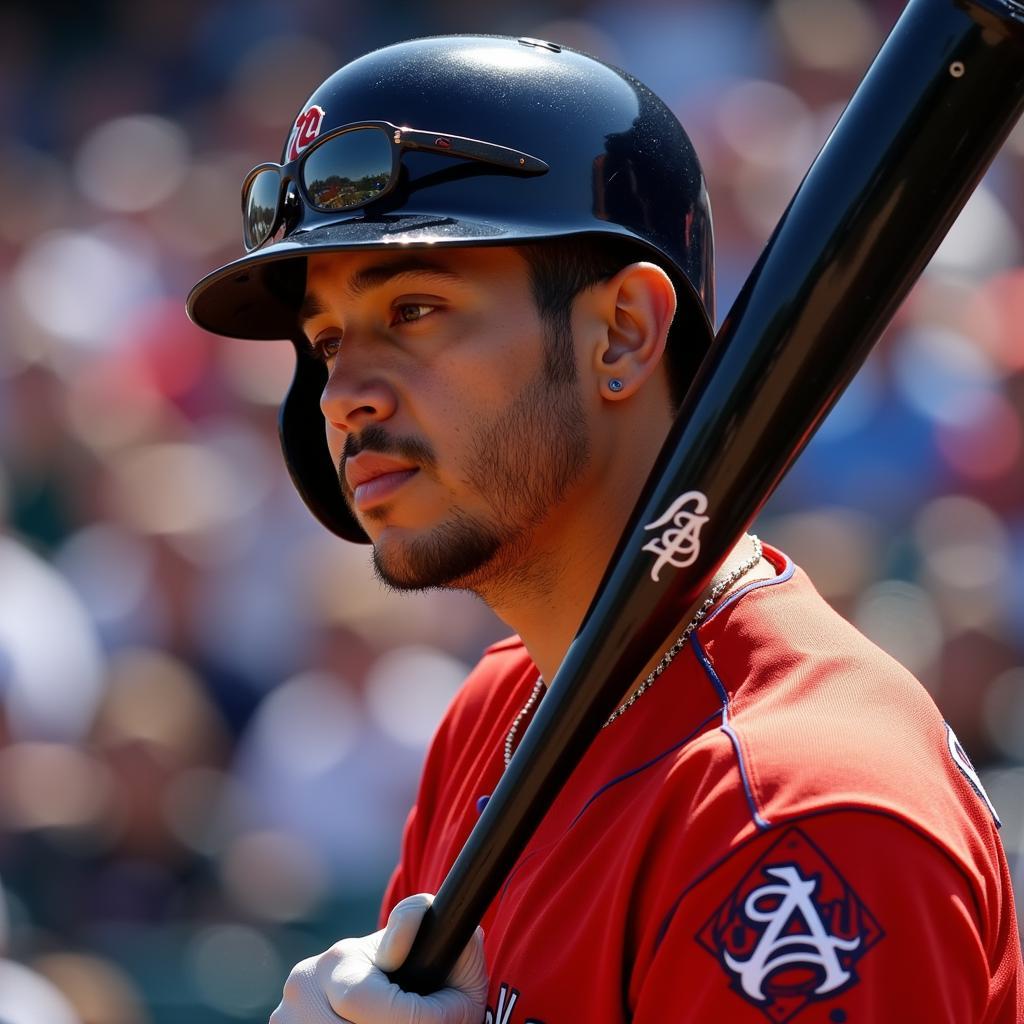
(636, 308)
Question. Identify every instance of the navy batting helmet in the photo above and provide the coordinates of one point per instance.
(455, 141)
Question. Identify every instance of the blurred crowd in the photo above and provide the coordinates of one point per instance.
(211, 716)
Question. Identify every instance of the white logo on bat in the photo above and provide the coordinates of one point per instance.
(679, 543)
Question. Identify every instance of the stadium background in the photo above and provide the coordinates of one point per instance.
(211, 717)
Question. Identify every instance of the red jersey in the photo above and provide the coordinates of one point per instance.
(781, 829)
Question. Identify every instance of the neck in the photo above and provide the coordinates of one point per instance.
(554, 588)
(549, 584)
(544, 593)
(549, 622)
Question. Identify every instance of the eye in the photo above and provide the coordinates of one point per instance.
(326, 348)
(410, 312)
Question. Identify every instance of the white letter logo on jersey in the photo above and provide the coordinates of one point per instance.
(811, 946)
(679, 543)
(963, 762)
(790, 932)
(502, 1014)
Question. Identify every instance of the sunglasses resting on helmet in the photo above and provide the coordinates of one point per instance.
(353, 166)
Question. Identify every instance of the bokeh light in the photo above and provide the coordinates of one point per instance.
(837, 547)
(235, 968)
(903, 620)
(274, 875)
(99, 991)
(50, 690)
(113, 571)
(408, 689)
(129, 164)
(944, 376)
(1004, 713)
(52, 786)
(21, 165)
(204, 809)
(965, 552)
(77, 285)
(27, 998)
(983, 241)
(841, 36)
(308, 725)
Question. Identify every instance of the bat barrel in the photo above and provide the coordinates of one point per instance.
(933, 109)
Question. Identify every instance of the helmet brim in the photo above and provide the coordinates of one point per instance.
(258, 296)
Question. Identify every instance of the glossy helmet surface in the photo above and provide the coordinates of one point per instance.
(619, 164)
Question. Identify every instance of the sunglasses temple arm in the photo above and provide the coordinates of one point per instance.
(473, 149)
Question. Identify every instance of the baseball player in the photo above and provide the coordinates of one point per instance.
(494, 259)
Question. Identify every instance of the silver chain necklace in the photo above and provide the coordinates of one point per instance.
(666, 659)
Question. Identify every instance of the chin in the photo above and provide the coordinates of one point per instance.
(458, 554)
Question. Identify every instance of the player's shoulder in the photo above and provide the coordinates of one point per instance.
(771, 916)
(501, 664)
(816, 717)
(476, 720)
(508, 647)
(492, 683)
(829, 772)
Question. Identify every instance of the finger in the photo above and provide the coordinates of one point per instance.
(286, 1014)
(304, 1000)
(403, 924)
(378, 1000)
(470, 970)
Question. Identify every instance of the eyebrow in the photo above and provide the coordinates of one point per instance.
(311, 307)
(375, 276)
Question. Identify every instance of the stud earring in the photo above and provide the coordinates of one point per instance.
(615, 385)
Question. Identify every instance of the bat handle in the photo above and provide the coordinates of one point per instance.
(429, 962)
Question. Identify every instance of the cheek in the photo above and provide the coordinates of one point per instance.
(493, 360)
(335, 442)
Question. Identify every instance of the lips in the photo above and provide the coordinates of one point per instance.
(373, 478)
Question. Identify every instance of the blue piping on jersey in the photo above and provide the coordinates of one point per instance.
(608, 785)
(787, 573)
(698, 649)
(633, 771)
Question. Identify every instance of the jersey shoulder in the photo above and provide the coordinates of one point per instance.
(840, 915)
(818, 717)
(490, 684)
(829, 778)
(463, 763)
(485, 703)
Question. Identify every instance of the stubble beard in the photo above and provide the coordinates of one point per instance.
(522, 463)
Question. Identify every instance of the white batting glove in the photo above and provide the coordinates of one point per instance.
(348, 981)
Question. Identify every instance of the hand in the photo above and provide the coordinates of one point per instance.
(348, 981)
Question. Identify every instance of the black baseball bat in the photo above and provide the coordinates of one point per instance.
(933, 109)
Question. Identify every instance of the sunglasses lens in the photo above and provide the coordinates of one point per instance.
(261, 207)
(349, 170)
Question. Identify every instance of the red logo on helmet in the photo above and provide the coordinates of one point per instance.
(307, 128)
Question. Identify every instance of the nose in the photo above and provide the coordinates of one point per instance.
(354, 399)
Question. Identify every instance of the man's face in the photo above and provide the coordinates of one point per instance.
(454, 447)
